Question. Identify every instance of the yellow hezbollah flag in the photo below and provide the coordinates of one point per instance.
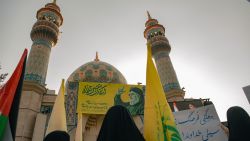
(159, 124)
(57, 119)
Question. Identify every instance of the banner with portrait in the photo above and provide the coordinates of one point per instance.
(97, 98)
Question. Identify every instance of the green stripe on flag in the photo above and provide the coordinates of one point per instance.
(3, 122)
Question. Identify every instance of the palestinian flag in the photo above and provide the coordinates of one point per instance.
(10, 95)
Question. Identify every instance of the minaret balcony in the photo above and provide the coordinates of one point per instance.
(45, 30)
(46, 23)
(159, 43)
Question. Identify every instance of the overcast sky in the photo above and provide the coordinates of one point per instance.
(210, 41)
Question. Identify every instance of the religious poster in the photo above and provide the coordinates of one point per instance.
(97, 98)
(200, 124)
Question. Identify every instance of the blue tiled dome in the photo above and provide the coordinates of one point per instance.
(97, 71)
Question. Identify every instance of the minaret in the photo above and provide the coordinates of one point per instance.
(44, 35)
(155, 35)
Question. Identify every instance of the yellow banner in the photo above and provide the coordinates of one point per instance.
(97, 98)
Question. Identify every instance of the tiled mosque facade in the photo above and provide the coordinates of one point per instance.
(37, 101)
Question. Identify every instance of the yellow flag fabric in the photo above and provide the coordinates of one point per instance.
(159, 124)
(57, 119)
(78, 136)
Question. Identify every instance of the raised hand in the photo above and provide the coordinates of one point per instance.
(120, 91)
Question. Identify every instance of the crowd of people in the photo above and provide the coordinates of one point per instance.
(118, 125)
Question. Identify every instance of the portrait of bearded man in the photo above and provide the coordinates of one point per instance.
(135, 105)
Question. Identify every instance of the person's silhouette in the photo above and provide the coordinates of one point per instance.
(238, 124)
(119, 126)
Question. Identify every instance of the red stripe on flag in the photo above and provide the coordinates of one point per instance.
(7, 92)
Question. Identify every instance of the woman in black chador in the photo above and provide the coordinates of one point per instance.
(119, 126)
(238, 124)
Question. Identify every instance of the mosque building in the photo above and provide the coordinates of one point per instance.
(37, 101)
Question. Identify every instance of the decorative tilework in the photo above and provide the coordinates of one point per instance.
(49, 14)
(170, 86)
(76, 77)
(160, 55)
(83, 68)
(42, 42)
(95, 71)
(166, 71)
(37, 64)
(109, 68)
(71, 102)
(35, 77)
(89, 73)
(103, 73)
(96, 66)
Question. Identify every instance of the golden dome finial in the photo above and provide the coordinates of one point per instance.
(96, 57)
(149, 17)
